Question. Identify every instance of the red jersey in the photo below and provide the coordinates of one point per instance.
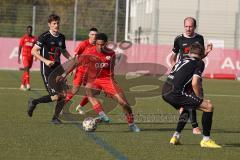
(101, 63)
(27, 43)
(82, 46)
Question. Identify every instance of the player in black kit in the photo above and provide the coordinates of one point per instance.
(50, 45)
(187, 73)
(180, 50)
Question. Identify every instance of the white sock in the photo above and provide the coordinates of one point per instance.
(177, 135)
(102, 114)
(78, 107)
(206, 138)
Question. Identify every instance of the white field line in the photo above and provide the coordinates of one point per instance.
(14, 88)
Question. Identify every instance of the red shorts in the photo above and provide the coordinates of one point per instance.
(79, 76)
(108, 85)
(27, 61)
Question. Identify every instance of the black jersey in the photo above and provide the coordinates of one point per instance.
(182, 44)
(181, 74)
(51, 47)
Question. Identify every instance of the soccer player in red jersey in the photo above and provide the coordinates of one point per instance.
(26, 44)
(101, 77)
(80, 71)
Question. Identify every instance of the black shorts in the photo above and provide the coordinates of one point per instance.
(185, 100)
(49, 78)
(45, 76)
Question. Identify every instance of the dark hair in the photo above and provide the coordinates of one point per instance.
(193, 19)
(101, 36)
(93, 29)
(53, 17)
(29, 26)
(197, 48)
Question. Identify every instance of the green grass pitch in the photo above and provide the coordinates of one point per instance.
(27, 138)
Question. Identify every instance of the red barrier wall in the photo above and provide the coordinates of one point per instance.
(221, 63)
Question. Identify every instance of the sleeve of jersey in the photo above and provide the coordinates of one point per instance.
(80, 48)
(21, 42)
(63, 43)
(175, 46)
(202, 40)
(40, 41)
(199, 69)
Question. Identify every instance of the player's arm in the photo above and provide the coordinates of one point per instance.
(197, 79)
(19, 53)
(208, 49)
(197, 85)
(173, 59)
(35, 52)
(174, 53)
(20, 49)
(73, 63)
(64, 50)
(66, 54)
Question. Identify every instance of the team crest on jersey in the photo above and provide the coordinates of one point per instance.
(108, 57)
(60, 43)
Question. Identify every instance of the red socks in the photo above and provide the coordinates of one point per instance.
(98, 108)
(25, 78)
(130, 118)
(84, 101)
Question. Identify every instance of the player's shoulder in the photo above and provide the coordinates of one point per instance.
(110, 52)
(198, 62)
(180, 36)
(61, 35)
(85, 42)
(44, 35)
(201, 62)
(35, 37)
(197, 35)
(90, 50)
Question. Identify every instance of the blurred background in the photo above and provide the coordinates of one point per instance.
(140, 21)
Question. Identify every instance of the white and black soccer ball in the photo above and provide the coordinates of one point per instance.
(89, 124)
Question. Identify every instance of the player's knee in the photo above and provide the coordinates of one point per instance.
(27, 68)
(122, 102)
(54, 98)
(210, 107)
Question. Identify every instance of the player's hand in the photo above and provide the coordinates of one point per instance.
(61, 78)
(209, 47)
(49, 63)
(19, 61)
(35, 58)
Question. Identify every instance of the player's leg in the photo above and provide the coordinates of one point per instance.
(23, 81)
(52, 96)
(27, 69)
(193, 119)
(207, 108)
(182, 121)
(127, 110)
(58, 108)
(91, 89)
(77, 82)
(110, 87)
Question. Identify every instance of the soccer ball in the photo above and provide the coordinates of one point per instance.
(89, 124)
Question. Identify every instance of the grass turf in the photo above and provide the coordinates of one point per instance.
(26, 138)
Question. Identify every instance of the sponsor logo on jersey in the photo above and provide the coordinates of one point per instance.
(60, 43)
